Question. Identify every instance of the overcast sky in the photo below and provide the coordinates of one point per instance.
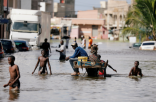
(82, 5)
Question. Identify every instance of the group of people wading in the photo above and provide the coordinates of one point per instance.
(43, 60)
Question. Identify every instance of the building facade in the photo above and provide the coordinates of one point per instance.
(90, 24)
(66, 8)
(115, 16)
(47, 6)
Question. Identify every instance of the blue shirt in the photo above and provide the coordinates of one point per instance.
(79, 52)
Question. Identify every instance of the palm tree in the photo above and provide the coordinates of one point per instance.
(142, 19)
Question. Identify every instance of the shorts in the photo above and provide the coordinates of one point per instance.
(62, 56)
(16, 84)
(43, 70)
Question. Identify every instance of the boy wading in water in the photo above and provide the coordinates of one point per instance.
(14, 82)
(43, 60)
(135, 71)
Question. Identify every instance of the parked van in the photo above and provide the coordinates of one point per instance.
(148, 45)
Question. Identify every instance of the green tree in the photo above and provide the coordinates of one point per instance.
(141, 19)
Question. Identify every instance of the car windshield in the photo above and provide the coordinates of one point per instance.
(55, 31)
(20, 44)
(25, 27)
(150, 43)
(6, 43)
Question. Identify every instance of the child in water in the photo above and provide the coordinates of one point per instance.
(135, 71)
(43, 60)
(14, 82)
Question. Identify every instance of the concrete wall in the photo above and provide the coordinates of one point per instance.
(61, 10)
(43, 6)
(118, 4)
(26, 4)
(103, 4)
(70, 10)
(116, 13)
(47, 6)
(66, 9)
(55, 7)
(91, 14)
(85, 30)
(74, 32)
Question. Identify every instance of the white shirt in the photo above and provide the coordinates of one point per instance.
(63, 48)
(83, 42)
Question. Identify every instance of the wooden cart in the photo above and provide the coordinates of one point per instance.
(88, 64)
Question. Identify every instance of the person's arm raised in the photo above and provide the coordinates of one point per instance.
(49, 66)
(36, 65)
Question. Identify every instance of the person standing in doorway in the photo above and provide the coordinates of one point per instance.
(46, 47)
(84, 43)
(90, 43)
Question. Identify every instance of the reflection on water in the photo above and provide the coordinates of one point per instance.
(62, 87)
(13, 95)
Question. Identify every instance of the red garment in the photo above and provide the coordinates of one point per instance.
(101, 73)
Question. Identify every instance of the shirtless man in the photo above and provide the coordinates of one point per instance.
(14, 82)
(135, 70)
(43, 60)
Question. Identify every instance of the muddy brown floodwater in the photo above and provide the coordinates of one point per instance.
(62, 87)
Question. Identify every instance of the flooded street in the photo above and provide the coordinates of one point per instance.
(62, 87)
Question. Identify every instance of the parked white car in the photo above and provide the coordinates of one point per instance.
(148, 45)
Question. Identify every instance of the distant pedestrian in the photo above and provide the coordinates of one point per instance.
(84, 43)
(135, 71)
(43, 60)
(46, 47)
(67, 43)
(14, 82)
(81, 38)
(62, 51)
(90, 43)
(75, 40)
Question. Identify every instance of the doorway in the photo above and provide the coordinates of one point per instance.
(95, 31)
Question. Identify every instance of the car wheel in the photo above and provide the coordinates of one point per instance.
(3, 55)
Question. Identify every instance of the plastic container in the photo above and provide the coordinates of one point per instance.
(83, 58)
